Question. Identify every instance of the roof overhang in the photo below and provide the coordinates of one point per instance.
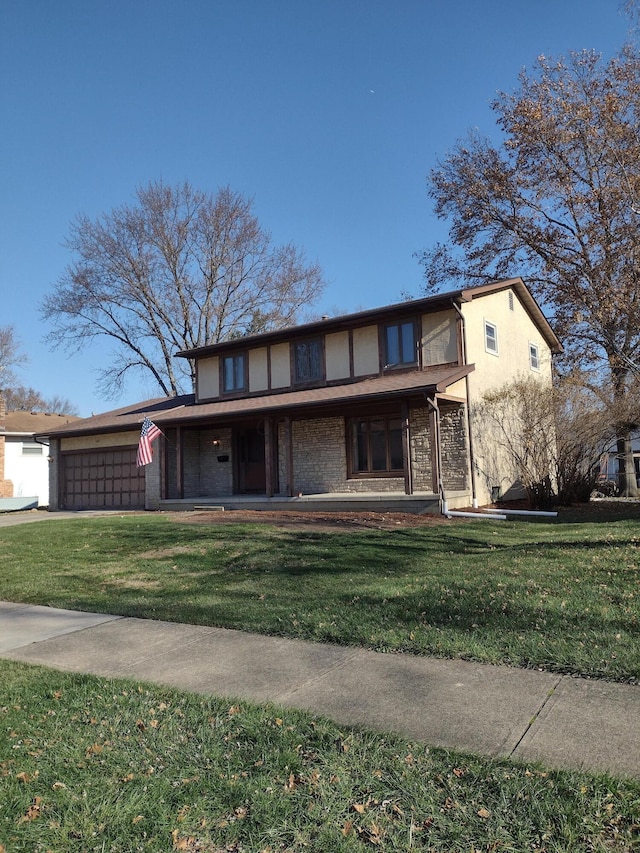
(182, 411)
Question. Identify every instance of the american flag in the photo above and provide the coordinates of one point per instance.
(148, 433)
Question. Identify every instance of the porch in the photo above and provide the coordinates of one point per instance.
(419, 502)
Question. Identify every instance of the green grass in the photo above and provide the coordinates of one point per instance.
(92, 765)
(557, 596)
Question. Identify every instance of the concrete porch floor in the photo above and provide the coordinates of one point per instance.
(419, 502)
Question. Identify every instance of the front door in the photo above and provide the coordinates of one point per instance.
(251, 462)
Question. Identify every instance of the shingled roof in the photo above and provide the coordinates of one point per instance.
(31, 423)
(169, 411)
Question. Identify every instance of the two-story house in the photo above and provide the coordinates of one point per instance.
(366, 410)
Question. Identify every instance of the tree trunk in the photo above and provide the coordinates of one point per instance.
(627, 483)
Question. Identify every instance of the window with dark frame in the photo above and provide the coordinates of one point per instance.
(400, 344)
(233, 373)
(308, 360)
(375, 446)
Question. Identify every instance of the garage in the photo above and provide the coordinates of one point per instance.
(102, 479)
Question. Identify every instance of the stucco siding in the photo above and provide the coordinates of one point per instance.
(280, 366)
(208, 378)
(366, 359)
(515, 331)
(439, 338)
(93, 442)
(337, 356)
(258, 370)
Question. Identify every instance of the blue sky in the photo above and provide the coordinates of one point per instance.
(329, 113)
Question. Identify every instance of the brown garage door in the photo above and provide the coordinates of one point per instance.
(102, 479)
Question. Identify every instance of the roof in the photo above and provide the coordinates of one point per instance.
(173, 411)
(438, 302)
(30, 423)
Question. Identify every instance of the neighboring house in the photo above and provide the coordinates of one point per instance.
(365, 410)
(6, 486)
(610, 461)
(26, 461)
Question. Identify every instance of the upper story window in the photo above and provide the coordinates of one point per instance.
(490, 337)
(234, 373)
(400, 344)
(308, 360)
(534, 357)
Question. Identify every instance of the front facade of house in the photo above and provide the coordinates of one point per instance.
(371, 406)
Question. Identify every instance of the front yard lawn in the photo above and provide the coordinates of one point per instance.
(92, 765)
(558, 596)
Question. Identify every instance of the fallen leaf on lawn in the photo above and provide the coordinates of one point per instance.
(292, 782)
(484, 813)
(459, 772)
(32, 812)
(372, 834)
(359, 807)
(95, 749)
(347, 829)
(59, 786)
(27, 777)
(138, 818)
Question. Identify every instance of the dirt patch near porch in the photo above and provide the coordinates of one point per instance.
(318, 520)
(596, 511)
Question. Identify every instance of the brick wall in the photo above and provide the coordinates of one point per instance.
(204, 475)
(216, 478)
(320, 458)
(420, 443)
(453, 450)
(153, 480)
(320, 461)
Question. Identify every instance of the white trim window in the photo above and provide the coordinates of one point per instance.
(534, 356)
(491, 337)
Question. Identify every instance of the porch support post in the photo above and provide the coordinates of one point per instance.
(288, 456)
(436, 459)
(268, 457)
(406, 448)
(179, 463)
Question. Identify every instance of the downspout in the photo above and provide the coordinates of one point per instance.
(472, 465)
(441, 494)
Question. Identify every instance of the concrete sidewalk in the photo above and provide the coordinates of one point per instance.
(494, 711)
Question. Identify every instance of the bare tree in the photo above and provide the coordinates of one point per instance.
(19, 398)
(549, 439)
(11, 356)
(178, 269)
(559, 203)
